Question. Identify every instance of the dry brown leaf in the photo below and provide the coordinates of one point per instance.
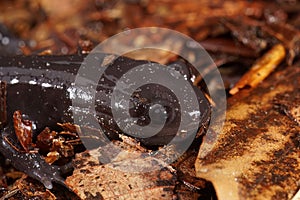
(92, 180)
(256, 156)
(28, 189)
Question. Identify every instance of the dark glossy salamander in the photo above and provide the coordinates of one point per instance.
(42, 88)
(32, 164)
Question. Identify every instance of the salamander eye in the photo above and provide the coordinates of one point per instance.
(158, 114)
(163, 112)
(154, 104)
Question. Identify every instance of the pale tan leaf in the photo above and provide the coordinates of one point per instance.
(256, 156)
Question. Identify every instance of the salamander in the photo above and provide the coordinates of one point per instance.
(32, 164)
(42, 87)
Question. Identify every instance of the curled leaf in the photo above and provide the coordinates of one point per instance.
(23, 130)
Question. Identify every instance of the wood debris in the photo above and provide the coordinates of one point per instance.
(261, 69)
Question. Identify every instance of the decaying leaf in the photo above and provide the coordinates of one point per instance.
(130, 174)
(288, 103)
(256, 156)
(58, 146)
(91, 180)
(28, 188)
(25, 188)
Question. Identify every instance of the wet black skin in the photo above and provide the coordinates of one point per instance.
(32, 164)
(40, 87)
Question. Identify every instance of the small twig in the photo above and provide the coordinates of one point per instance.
(261, 69)
(10, 193)
(74, 142)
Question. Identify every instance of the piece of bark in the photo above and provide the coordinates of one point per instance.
(256, 156)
